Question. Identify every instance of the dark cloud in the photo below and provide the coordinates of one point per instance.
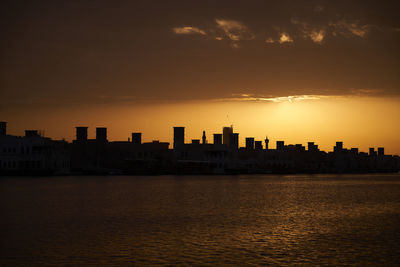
(182, 50)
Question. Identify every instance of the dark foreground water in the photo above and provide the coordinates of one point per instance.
(200, 220)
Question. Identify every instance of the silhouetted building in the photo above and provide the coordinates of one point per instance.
(137, 138)
(195, 141)
(266, 143)
(299, 147)
(227, 132)
(280, 145)
(338, 147)
(81, 134)
(234, 141)
(101, 134)
(372, 151)
(204, 139)
(3, 128)
(381, 151)
(249, 143)
(258, 145)
(179, 137)
(312, 147)
(217, 139)
(33, 154)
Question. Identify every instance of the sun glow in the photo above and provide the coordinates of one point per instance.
(357, 121)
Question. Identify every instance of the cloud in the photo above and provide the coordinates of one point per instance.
(248, 97)
(270, 41)
(366, 92)
(317, 36)
(234, 30)
(343, 27)
(188, 30)
(280, 99)
(349, 28)
(285, 38)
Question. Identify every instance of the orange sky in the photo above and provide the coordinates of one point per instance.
(357, 121)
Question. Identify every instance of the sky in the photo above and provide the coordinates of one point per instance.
(298, 71)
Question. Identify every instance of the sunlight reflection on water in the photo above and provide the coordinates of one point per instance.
(200, 220)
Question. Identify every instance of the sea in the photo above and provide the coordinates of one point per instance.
(241, 220)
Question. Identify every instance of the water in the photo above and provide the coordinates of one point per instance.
(200, 220)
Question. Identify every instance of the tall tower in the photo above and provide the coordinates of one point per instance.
(204, 139)
(3, 128)
(266, 142)
(179, 137)
(226, 134)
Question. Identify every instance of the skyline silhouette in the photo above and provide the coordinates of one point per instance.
(35, 154)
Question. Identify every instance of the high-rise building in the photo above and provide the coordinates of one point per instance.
(179, 137)
(137, 138)
(381, 151)
(81, 134)
(226, 132)
(101, 134)
(3, 128)
(204, 139)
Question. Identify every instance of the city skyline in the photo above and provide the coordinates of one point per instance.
(35, 154)
(85, 133)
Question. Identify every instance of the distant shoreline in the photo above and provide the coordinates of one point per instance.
(48, 174)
